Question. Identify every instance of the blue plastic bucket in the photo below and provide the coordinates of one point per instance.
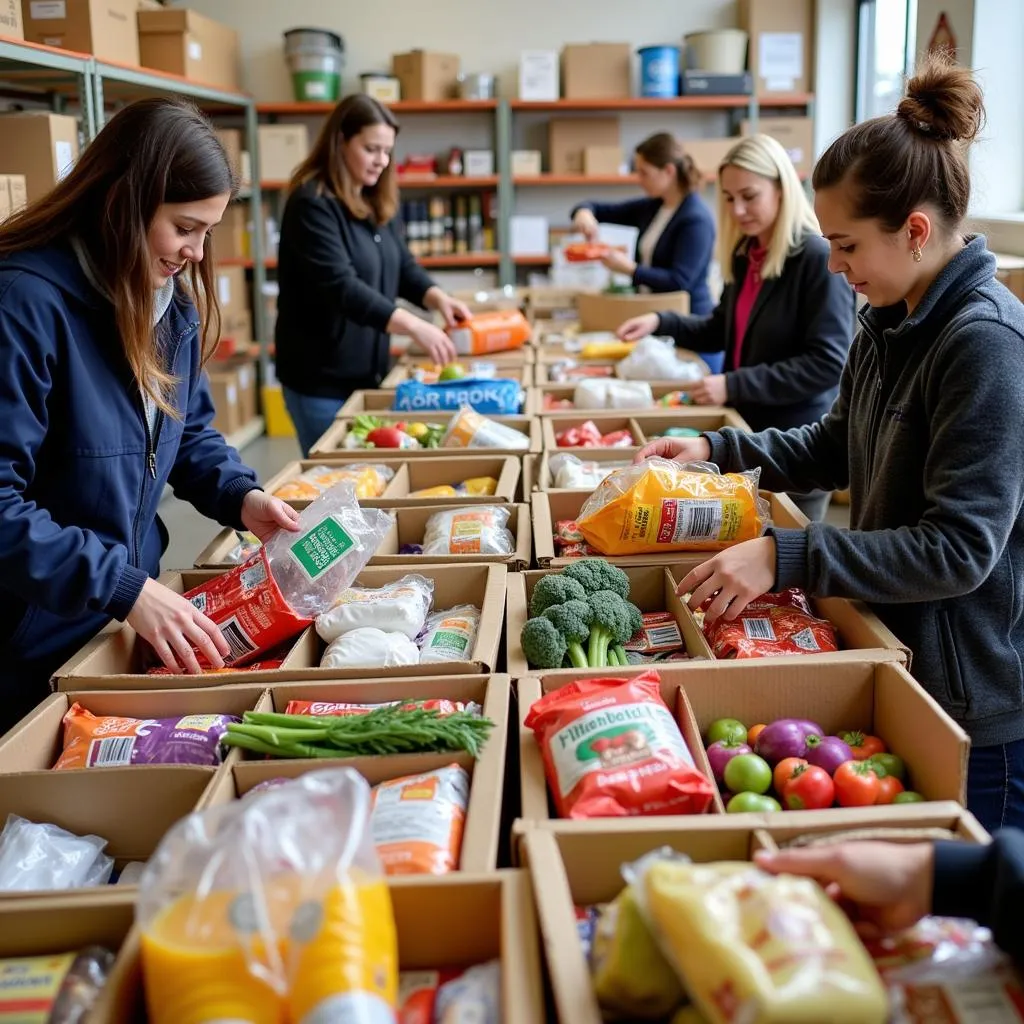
(659, 71)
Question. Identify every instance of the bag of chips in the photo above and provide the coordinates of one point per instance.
(770, 626)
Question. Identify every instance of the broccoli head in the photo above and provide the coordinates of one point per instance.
(554, 589)
(543, 645)
(611, 625)
(595, 574)
(572, 620)
(636, 623)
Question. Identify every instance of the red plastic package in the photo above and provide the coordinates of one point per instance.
(612, 749)
(658, 634)
(770, 626)
(417, 994)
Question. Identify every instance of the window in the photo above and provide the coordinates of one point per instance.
(884, 44)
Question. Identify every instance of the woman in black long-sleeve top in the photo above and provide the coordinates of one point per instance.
(784, 322)
(677, 230)
(342, 264)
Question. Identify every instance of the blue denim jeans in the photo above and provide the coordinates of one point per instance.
(311, 416)
(995, 785)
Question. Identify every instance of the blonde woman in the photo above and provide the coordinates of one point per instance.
(784, 322)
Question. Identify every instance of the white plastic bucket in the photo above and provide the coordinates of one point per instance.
(722, 51)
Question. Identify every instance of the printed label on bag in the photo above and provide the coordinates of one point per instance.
(319, 549)
(29, 986)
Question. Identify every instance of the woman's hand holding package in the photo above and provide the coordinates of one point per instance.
(637, 327)
(709, 390)
(263, 514)
(586, 224)
(431, 339)
(172, 626)
(453, 311)
(732, 579)
(682, 449)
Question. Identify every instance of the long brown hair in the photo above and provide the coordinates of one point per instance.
(898, 162)
(326, 164)
(152, 152)
(664, 150)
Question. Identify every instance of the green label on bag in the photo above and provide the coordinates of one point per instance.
(319, 549)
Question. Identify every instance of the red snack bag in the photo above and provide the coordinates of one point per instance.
(567, 532)
(264, 665)
(617, 439)
(612, 749)
(770, 626)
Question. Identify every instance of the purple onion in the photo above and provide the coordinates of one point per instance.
(721, 753)
(785, 738)
(828, 752)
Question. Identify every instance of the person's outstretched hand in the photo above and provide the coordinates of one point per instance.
(885, 887)
(682, 449)
(730, 580)
(263, 514)
(637, 327)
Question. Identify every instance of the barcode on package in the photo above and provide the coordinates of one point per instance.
(237, 638)
(687, 520)
(664, 636)
(110, 752)
(758, 629)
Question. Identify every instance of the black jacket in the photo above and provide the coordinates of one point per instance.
(796, 342)
(339, 278)
(683, 252)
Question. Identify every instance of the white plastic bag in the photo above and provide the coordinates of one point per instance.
(569, 472)
(367, 647)
(608, 393)
(40, 856)
(450, 635)
(398, 607)
(480, 530)
(469, 429)
(474, 997)
(656, 359)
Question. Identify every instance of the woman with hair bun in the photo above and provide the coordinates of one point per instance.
(677, 230)
(925, 433)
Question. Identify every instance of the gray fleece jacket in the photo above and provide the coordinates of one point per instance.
(928, 433)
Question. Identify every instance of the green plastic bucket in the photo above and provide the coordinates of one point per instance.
(315, 58)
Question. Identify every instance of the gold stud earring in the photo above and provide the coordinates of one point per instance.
(916, 253)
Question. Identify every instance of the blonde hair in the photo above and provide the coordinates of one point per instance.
(764, 156)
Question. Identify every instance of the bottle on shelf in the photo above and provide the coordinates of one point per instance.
(461, 224)
(475, 225)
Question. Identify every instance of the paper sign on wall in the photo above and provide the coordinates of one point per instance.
(780, 59)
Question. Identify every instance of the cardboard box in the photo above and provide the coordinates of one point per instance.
(5, 199)
(514, 365)
(643, 425)
(543, 394)
(184, 42)
(781, 52)
(709, 154)
(230, 236)
(483, 814)
(11, 23)
(232, 290)
(568, 137)
(529, 479)
(796, 135)
(105, 28)
(597, 71)
(232, 139)
(282, 148)
(539, 75)
(598, 160)
(427, 77)
(478, 163)
(526, 163)
(248, 386)
(600, 312)
(651, 589)
(224, 392)
(1010, 270)
(41, 147)
(332, 445)
(607, 423)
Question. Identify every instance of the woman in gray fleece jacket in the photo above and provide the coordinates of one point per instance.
(925, 433)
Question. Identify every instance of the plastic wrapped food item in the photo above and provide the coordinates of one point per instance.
(569, 542)
(498, 396)
(450, 635)
(248, 544)
(566, 371)
(500, 330)
(569, 472)
(263, 665)
(341, 709)
(660, 505)
(57, 989)
(586, 925)
(367, 647)
(477, 486)
(612, 749)
(370, 481)
(659, 635)
(468, 429)
(295, 577)
(46, 857)
(398, 607)
(770, 626)
(587, 252)
(97, 741)
(299, 929)
(417, 994)
(478, 530)
(656, 359)
(588, 435)
(613, 394)
(418, 821)
(474, 997)
(756, 947)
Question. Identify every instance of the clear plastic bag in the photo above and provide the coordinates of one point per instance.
(450, 635)
(474, 997)
(613, 394)
(367, 647)
(398, 607)
(271, 908)
(468, 429)
(248, 544)
(46, 857)
(480, 530)
(569, 472)
(656, 359)
(659, 505)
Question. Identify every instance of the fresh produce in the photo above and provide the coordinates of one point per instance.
(785, 738)
(391, 729)
(770, 626)
(889, 787)
(862, 745)
(720, 753)
(754, 731)
(857, 784)
(784, 771)
(581, 614)
(368, 431)
(732, 730)
(888, 764)
(809, 788)
(908, 796)
(827, 752)
(453, 371)
(748, 773)
(752, 803)
(389, 437)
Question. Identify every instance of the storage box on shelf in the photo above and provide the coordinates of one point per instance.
(42, 147)
(11, 23)
(107, 29)
(184, 42)
(781, 45)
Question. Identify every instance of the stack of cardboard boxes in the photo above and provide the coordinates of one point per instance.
(12, 194)
(38, 149)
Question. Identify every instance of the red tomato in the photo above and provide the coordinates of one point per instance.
(809, 788)
(863, 745)
(753, 733)
(385, 437)
(857, 785)
(888, 788)
(784, 771)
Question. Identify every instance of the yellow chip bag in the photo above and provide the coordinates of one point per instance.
(660, 506)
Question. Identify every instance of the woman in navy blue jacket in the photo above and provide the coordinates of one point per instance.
(677, 229)
(107, 314)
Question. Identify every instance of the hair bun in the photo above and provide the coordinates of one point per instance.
(943, 101)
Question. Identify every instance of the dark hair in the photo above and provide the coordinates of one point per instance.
(152, 152)
(663, 150)
(326, 164)
(898, 162)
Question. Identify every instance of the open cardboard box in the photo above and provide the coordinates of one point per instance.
(534, 799)
(566, 392)
(514, 365)
(35, 743)
(332, 445)
(528, 480)
(113, 661)
(619, 458)
(606, 423)
(487, 773)
(383, 400)
(652, 589)
(645, 425)
(600, 311)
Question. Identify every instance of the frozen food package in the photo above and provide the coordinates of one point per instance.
(468, 429)
(397, 607)
(450, 635)
(477, 530)
(367, 647)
